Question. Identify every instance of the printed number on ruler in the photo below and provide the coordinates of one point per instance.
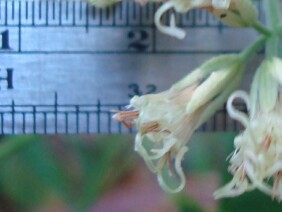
(136, 91)
(138, 40)
(5, 40)
(6, 75)
(7, 72)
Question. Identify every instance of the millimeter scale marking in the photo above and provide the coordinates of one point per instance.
(66, 65)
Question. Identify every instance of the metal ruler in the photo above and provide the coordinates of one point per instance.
(65, 65)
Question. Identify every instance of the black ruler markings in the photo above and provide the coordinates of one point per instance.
(70, 14)
(76, 14)
(40, 14)
(84, 119)
(17, 15)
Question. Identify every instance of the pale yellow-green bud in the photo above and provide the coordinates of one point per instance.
(241, 13)
(214, 77)
(266, 86)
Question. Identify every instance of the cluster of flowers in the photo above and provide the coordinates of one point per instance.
(167, 120)
(257, 159)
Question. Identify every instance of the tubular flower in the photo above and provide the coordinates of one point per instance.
(238, 13)
(166, 121)
(258, 150)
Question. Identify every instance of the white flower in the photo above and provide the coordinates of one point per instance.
(238, 13)
(258, 155)
(167, 120)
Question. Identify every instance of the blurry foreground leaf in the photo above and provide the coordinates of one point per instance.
(208, 151)
(77, 170)
(186, 204)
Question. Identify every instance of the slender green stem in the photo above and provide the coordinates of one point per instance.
(273, 20)
(273, 14)
(262, 29)
(253, 48)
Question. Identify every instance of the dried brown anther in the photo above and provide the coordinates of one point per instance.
(265, 144)
(126, 117)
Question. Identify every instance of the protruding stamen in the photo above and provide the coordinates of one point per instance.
(243, 174)
(276, 183)
(265, 144)
(126, 117)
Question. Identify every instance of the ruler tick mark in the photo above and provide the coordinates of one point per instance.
(0, 10)
(45, 122)
(60, 13)
(87, 18)
(107, 10)
(47, 13)
(67, 10)
(120, 11)
(34, 118)
(33, 13)
(93, 9)
(13, 116)
(77, 118)
(73, 11)
(40, 10)
(6, 13)
(24, 123)
(80, 10)
(53, 10)
(66, 122)
(20, 28)
(13, 10)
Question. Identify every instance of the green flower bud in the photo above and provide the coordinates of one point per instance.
(214, 77)
(265, 87)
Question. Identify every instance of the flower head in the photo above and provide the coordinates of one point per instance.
(167, 120)
(258, 154)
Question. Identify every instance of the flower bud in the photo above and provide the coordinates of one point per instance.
(266, 85)
(218, 74)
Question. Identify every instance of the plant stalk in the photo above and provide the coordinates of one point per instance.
(273, 21)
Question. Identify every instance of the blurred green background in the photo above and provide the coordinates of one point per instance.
(103, 173)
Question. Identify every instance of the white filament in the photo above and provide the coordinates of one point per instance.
(233, 112)
(179, 172)
(171, 30)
